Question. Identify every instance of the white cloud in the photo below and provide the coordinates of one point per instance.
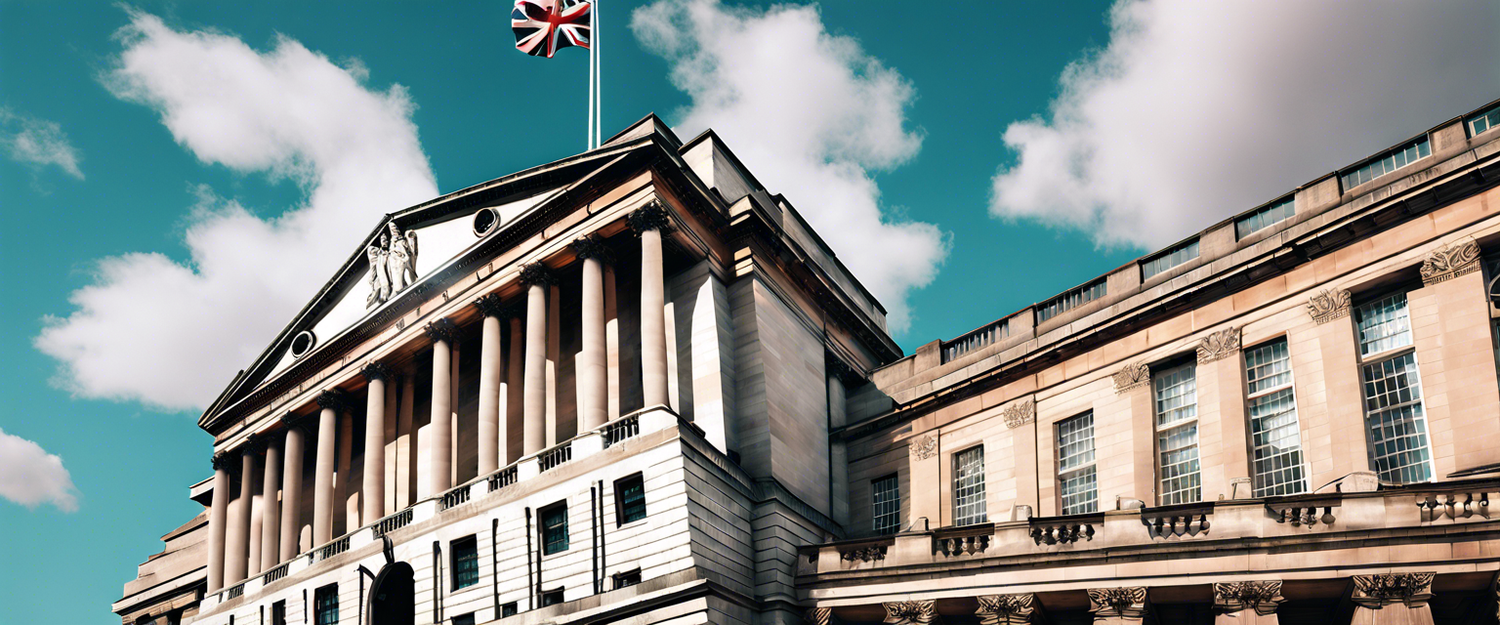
(171, 334)
(1198, 110)
(812, 116)
(37, 142)
(30, 476)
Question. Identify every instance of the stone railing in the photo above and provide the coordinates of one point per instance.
(555, 457)
(872, 550)
(1300, 511)
(982, 337)
(277, 572)
(1064, 530)
(620, 429)
(392, 523)
(235, 591)
(454, 498)
(1454, 506)
(502, 478)
(963, 541)
(338, 546)
(1177, 521)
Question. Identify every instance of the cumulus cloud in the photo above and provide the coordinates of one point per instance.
(1195, 111)
(37, 142)
(30, 476)
(813, 116)
(171, 334)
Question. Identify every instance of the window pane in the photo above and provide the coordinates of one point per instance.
(1176, 394)
(1395, 420)
(886, 504)
(555, 530)
(326, 605)
(465, 562)
(1275, 435)
(1075, 453)
(631, 494)
(968, 487)
(1170, 259)
(1388, 163)
(1178, 449)
(1383, 324)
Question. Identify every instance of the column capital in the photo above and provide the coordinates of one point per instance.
(652, 216)
(221, 462)
(1006, 609)
(1374, 591)
(255, 444)
(333, 399)
(376, 370)
(537, 274)
(912, 612)
(293, 420)
(1260, 596)
(442, 329)
(591, 246)
(490, 305)
(1123, 602)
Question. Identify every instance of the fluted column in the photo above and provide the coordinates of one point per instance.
(1246, 603)
(291, 488)
(648, 222)
(331, 402)
(270, 515)
(440, 448)
(218, 510)
(237, 549)
(491, 371)
(375, 401)
(593, 380)
(537, 279)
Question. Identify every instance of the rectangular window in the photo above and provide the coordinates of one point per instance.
(1177, 435)
(1075, 465)
(326, 605)
(627, 579)
(1070, 300)
(630, 499)
(552, 597)
(885, 504)
(508, 609)
(1383, 325)
(1275, 434)
(464, 619)
(1272, 214)
(555, 528)
(968, 487)
(1388, 163)
(1485, 121)
(1395, 420)
(464, 553)
(278, 613)
(1166, 260)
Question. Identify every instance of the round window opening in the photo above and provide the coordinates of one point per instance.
(303, 343)
(485, 221)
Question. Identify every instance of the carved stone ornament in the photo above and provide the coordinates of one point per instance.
(1450, 261)
(537, 274)
(1328, 305)
(221, 461)
(1132, 376)
(376, 371)
(1374, 591)
(442, 329)
(1006, 609)
(1219, 345)
(652, 216)
(924, 448)
(1125, 602)
(1019, 413)
(819, 616)
(490, 305)
(914, 612)
(589, 246)
(334, 400)
(393, 264)
(1262, 597)
(864, 554)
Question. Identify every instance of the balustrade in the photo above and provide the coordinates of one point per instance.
(454, 498)
(392, 523)
(338, 546)
(502, 478)
(552, 458)
(963, 541)
(1064, 530)
(1176, 521)
(1454, 506)
(620, 429)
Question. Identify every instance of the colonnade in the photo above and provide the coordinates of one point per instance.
(231, 558)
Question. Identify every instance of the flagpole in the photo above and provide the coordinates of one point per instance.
(593, 7)
(598, 104)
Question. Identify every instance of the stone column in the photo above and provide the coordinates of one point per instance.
(1117, 606)
(515, 369)
(439, 450)
(346, 499)
(648, 222)
(912, 612)
(291, 488)
(593, 380)
(330, 403)
(537, 279)
(1007, 609)
(270, 530)
(237, 550)
(1246, 603)
(375, 402)
(491, 372)
(257, 509)
(217, 519)
(1392, 599)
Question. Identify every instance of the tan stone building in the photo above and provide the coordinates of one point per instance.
(634, 386)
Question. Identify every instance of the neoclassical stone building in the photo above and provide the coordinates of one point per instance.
(634, 386)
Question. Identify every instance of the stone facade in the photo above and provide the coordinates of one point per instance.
(658, 397)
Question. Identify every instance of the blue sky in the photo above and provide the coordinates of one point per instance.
(163, 165)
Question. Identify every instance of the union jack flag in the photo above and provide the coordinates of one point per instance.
(543, 27)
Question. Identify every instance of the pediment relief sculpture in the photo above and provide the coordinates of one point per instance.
(393, 265)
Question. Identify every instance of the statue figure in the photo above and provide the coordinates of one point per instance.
(380, 281)
(401, 258)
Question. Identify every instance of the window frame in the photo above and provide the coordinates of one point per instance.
(1064, 302)
(1491, 117)
(559, 592)
(1366, 361)
(875, 505)
(318, 607)
(982, 502)
(1257, 487)
(1164, 259)
(542, 527)
(1090, 466)
(1418, 143)
(1162, 429)
(624, 576)
(278, 608)
(510, 609)
(621, 508)
(1288, 202)
(455, 559)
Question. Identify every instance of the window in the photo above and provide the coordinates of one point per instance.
(968, 487)
(465, 562)
(1166, 260)
(1075, 464)
(553, 597)
(1177, 435)
(885, 504)
(555, 528)
(1070, 300)
(326, 605)
(1269, 215)
(1383, 325)
(1394, 417)
(1388, 162)
(508, 609)
(1484, 121)
(1275, 434)
(630, 499)
(627, 578)
(278, 613)
(464, 619)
